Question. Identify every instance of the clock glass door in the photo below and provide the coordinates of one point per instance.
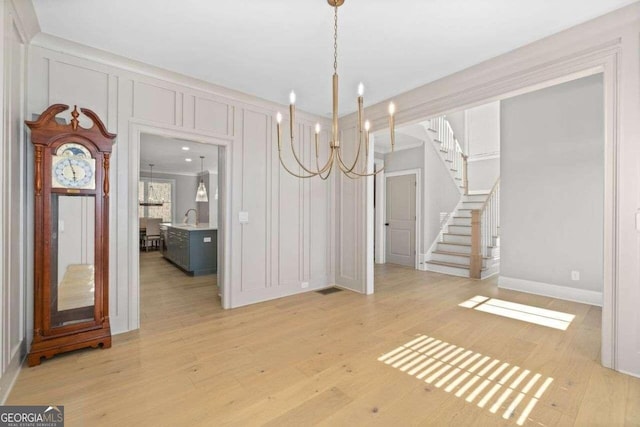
(72, 274)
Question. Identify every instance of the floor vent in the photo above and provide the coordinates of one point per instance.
(328, 291)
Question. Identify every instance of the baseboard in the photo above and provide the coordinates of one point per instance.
(549, 290)
(11, 375)
(633, 374)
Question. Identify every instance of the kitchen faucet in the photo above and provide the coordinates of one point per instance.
(186, 216)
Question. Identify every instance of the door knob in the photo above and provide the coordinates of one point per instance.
(386, 224)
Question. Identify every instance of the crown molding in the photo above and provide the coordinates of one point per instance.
(88, 53)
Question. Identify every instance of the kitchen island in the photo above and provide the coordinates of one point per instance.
(192, 248)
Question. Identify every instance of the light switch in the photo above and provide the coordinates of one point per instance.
(243, 217)
(638, 221)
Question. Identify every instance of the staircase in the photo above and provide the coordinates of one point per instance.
(468, 243)
(453, 253)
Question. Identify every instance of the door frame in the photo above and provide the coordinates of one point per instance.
(380, 211)
(136, 129)
(418, 174)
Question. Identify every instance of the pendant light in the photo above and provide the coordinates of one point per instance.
(152, 199)
(335, 151)
(201, 194)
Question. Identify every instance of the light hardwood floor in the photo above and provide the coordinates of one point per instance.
(312, 359)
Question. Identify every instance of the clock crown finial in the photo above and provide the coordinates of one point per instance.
(75, 115)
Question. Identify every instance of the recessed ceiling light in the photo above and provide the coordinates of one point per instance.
(187, 160)
(185, 148)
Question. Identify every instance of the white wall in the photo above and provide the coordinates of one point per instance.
(552, 185)
(285, 242)
(458, 122)
(13, 255)
(482, 127)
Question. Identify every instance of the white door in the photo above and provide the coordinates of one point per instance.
(401, 220)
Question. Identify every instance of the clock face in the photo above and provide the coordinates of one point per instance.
(73, 167)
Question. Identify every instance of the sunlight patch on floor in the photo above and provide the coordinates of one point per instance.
(454, 369)
(526, 313)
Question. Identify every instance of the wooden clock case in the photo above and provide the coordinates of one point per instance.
(84, 319)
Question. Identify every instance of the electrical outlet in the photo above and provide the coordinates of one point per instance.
(305, 284)
(575, 275)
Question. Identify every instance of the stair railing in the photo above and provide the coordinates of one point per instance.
(485, 228)
(451, 151)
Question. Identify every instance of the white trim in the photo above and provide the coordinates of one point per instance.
(387, 150)
(484, 156)
(11, 373)
(418, 174)
(233, 97)
(550, 290)
(380, 253)
(370, 224)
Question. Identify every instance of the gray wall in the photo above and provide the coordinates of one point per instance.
(185, 189)
(439, 193)
(552, 186)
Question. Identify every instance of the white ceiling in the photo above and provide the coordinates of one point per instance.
(266, 48)
(167, 155)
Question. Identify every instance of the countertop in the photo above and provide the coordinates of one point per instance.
(190, 227)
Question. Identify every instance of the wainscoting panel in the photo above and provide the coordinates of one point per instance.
(212, 116)
(15, 333)
(350, 196)
(289, 213)
(154, 103)
(77, 85)
(255, 194)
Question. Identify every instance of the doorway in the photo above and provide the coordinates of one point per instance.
(223, 146)
(177, 222)
(401, 219)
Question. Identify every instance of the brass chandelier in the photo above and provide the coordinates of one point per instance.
(335, 154)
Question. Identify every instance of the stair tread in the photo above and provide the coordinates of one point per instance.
(451, 264)
(457, 234)
(448, 264)
(457, 244)
(459, 225)
(456, 254)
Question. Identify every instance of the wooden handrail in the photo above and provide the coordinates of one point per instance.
(493, 190)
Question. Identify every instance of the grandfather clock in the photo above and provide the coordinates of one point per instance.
(71, 263)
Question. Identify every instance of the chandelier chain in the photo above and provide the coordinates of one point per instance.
(335, 38)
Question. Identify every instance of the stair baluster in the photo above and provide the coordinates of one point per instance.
(485, 227)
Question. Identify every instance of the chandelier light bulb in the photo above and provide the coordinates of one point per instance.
(367, 125)
(279, 117)
(292, 98)
(392, 108)
(317, 128)
(360, 89)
